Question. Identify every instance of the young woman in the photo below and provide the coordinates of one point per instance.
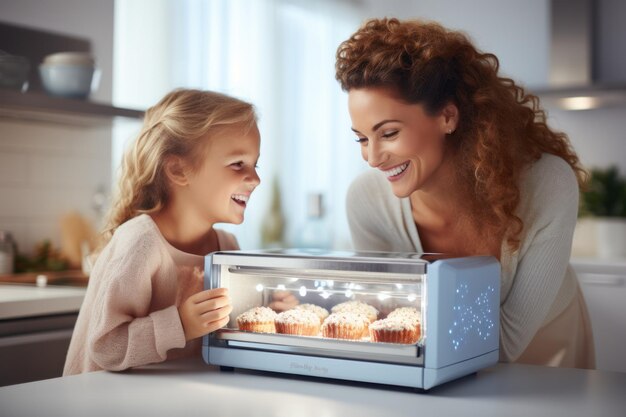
(465, 164)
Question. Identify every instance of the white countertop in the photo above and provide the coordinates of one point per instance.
(599, 265)
(192, 388)
(29, 300)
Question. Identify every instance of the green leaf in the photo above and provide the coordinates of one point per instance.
(605, 195)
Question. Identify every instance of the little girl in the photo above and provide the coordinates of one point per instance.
(193, 165)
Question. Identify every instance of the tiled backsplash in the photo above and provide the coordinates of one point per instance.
(46, 171)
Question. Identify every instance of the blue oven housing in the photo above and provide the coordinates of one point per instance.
(459, 299)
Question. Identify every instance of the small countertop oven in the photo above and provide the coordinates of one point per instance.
(451, 303)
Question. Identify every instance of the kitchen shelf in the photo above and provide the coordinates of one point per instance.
(71, 277)
(37, 106)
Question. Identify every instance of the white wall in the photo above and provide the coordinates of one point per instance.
(516, 31)
(49, 169)
(46, 171)
(599, 136)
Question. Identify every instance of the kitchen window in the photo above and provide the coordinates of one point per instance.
(279, 55)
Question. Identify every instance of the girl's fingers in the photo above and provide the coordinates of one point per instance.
(212, 304)
(215, 320)
(217, 324)
(284, 304)
(216, 315)
(209, 294)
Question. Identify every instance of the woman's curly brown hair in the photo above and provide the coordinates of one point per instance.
(501, 128)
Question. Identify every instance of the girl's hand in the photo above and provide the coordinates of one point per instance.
(283, 301)
(205, 312)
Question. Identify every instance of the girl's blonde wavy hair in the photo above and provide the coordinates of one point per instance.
(501, 129)
(180, 124)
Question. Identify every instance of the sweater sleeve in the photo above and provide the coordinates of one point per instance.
(125, 332)
(551, 207)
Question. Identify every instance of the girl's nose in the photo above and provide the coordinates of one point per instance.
(253, 178)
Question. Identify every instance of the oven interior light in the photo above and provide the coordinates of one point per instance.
(325, 294)
(259, 287)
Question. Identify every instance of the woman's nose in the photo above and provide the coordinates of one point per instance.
(373, 154)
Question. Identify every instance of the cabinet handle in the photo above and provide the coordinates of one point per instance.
(604, 281)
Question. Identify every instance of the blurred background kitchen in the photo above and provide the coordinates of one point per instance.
(59, 157)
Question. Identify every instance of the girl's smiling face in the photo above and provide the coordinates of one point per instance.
(220, 188)
(400, 139)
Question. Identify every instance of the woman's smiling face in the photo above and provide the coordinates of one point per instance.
(400, 139)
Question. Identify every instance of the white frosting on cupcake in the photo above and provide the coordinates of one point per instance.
(406, 313)
(298, 317)
(394, 323)
(357, 307)
(347, 317)
(257, 314)
(322, 313)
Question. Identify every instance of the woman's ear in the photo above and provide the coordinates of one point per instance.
(175, 170)
(450, 117)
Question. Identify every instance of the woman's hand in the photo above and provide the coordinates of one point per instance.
(205, 312)
(283, 301)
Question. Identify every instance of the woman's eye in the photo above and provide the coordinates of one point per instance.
(360, 139)
(391, 134)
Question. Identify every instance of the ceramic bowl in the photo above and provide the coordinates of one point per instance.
(68, 80)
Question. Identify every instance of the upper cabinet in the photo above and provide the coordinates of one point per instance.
(587, 57)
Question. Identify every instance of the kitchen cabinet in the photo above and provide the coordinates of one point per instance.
(36, 326)
(34, 348)
(604, 286)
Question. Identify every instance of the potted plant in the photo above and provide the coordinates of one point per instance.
(605, 200)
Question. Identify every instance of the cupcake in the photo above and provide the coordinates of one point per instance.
(322, 313)
(258, 319)
(357, 307)
(299, 322)
(407, 313)
(395, 330)
(345, 325)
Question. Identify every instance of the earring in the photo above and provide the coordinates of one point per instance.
(449, 131)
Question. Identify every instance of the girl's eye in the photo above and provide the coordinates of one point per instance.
(360, 139)
(237, 165)
(390, 134)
